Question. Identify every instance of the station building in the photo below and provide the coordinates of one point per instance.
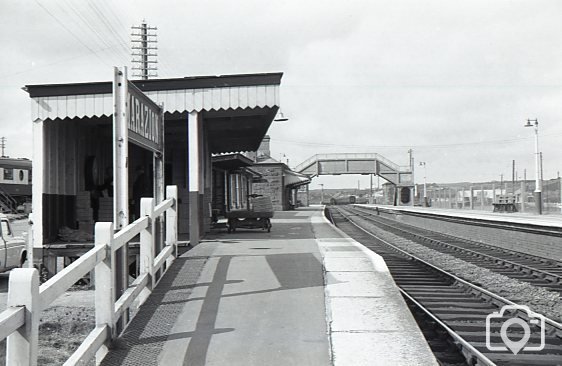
(204, 116)
(277, 180)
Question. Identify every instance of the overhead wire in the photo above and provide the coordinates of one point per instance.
(54, 63)
(91, 30)
(71, 33)
(109, 26)
(429, 146)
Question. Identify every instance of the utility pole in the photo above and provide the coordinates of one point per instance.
(538, 180)
(144, 51)
(513, 177)
(413, 191)
(542, 178)
(422, 163)
(560, 190)
(501, 184)
(3, 145)
(371, 189)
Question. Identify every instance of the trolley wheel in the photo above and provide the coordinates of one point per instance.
(268, 223)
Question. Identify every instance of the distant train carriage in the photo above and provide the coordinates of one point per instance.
(15, 183)
(346, 200)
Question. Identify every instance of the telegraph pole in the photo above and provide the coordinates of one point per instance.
(413, 191)
(538, 180)
(513, 177)
(3, 145)
(144, 51)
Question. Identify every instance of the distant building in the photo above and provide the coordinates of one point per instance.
(278, 180)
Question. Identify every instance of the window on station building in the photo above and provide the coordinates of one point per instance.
(8, 174)
(238, 191)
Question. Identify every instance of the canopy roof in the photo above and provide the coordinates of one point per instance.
(231, 161)
(237, 109)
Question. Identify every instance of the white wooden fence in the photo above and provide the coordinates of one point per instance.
(19, 323)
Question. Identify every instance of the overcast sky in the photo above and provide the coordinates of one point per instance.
(453, 80)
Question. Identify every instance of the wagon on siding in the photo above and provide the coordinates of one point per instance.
(257, 217)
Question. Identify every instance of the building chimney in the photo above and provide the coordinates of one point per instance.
(264, 149)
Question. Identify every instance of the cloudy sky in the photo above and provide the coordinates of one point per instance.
(453, 80)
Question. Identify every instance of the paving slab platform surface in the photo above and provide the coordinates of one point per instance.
(548, 220)
(303, 294)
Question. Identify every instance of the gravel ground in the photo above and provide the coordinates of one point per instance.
(62, 330)
(538, 299)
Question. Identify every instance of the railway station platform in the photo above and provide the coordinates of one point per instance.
(528, 233)
(304, 294)
(553, 220)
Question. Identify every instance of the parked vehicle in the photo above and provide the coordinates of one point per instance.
(13, 252)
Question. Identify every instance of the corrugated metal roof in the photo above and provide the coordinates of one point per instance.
(15, 163)
(231, 161)
(180, 100)
(294, 179)
(192, 82)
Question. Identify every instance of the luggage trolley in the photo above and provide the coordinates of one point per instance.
(257, 217)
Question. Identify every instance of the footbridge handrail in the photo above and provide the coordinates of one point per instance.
(19, 323)
(343, 156)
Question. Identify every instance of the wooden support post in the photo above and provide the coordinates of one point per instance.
(193, 178)
(29, 243)
(172, 222)
(159, 188)
(37, 188)
(105, 282)
(147, 247)
(121, 181)
(23, 290)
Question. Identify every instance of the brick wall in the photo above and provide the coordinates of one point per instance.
(517, 237)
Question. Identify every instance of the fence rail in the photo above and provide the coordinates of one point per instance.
(19, 323)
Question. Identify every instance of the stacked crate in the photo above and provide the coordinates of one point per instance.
(84, 212)
(262, 204)
(105, 213)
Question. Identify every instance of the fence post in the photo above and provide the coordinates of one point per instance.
(172, 221)
(29, 243)
(23, 290)
(147, 247)
(105, 284)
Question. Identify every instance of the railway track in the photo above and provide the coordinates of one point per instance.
(524, 267)
(461, 310)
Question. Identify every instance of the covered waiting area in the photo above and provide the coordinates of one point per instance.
(72, 139)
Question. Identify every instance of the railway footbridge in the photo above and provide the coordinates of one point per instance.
(402, 177)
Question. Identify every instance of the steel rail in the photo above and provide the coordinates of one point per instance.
(477, 288)
(557, 279)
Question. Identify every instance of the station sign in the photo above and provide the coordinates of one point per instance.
(145, 121)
